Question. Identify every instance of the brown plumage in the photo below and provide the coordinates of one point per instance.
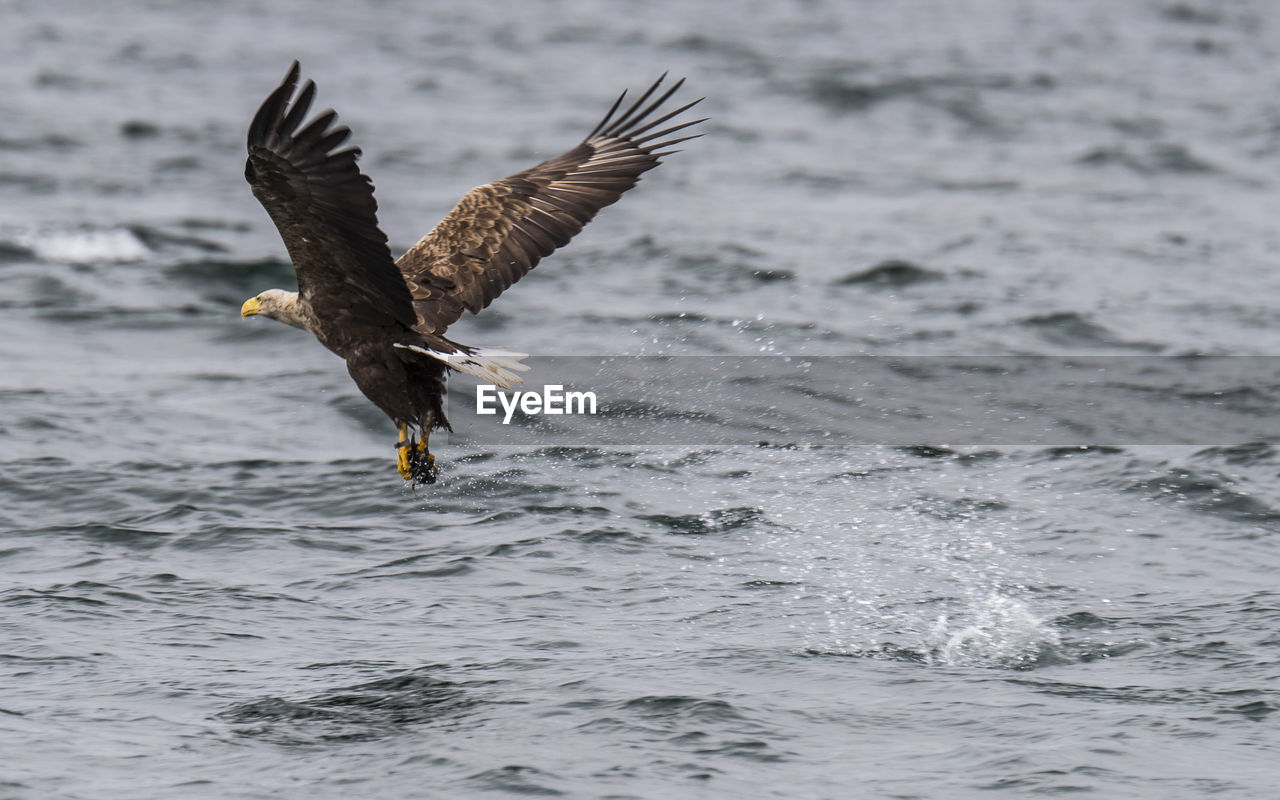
(387, 318)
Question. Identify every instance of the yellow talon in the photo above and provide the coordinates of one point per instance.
(402, 454)
(414, 462)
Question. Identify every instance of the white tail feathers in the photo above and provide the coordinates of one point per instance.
(490, 364)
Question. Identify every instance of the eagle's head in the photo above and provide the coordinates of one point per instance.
(278, 305)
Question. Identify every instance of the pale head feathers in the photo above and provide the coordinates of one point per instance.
(278, 305)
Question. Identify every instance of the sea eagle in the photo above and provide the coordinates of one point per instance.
(387, 318)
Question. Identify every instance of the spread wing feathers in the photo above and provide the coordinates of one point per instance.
(499, 231)
(324, 207)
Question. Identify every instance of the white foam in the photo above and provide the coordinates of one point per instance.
(993, 631)
(86, 246)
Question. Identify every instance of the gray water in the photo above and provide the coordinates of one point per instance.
(215, 585)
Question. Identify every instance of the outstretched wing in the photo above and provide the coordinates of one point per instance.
(499, 231)
(324, 208)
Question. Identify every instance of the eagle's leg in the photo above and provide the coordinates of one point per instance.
(422, 464)
(403, 447)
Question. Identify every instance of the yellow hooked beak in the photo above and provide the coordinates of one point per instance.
(251, 306)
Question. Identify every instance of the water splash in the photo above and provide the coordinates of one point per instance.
(993, 630)
(998, 631)
(939, 579)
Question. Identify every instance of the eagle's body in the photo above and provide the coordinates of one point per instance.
(387, 318)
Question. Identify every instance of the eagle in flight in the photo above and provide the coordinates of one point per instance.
(387, 318)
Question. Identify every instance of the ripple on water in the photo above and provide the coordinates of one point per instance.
(365, 711)
(714, 521)
(892, 274)
(1073, 329)
(1211, 493)
(515, 779)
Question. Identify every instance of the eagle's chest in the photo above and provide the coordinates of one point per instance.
(348, 332)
